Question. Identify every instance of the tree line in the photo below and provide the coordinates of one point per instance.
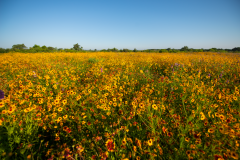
(77, 48)
(36, 48)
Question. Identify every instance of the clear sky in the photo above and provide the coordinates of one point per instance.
(103, 24)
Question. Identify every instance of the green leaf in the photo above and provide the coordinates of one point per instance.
(10, 130)
(189, 118)
(17, 140)
(29, 130)
(181, 142)
(22, 151)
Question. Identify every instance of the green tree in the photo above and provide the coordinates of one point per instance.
(50, 48)
(44, 47)
(69, 50)
(236, 49)
(163, 51)
(8, 50)
(134, 50)
(185, 48)
(169, 50)
(2, 50)
(37, 48)
(103, 50)
(77, 47)
(213, 50)
(191, 49)
(18, 46)
(125, 50)
(174, 50)
(114, 49)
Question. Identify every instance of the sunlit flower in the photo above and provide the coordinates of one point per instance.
(228, 120)
(187, 139)
(164, 129)
(1, 104)
(124, 142)
(202, 116)
(234, 155)
(120, 111)
(134, 148)
(89, 91)
(218, 157)
(59, 118)
(65, 117)
(29, 156)
(222, 117)
(67, 153)
(80, 148)
(98, 138)
(169, 134)
(133, 103)
(154, 106)
(235, 98)
(160, 149)
(64, 101)
(210, 130)
(4, 111)
(110, 145)
(138, 143)
(68, 130)
(114, 104)
(60, 109)
(150, 142)
(188, 152)
(141, 105)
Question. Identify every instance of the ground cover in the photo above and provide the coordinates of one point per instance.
(119, 106)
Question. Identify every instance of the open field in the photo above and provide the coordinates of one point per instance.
(120, 106)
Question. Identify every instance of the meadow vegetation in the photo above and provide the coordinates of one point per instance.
(117, 105)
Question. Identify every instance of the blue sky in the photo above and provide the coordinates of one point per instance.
(103, 24)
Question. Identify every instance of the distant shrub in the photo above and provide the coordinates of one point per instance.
(93, 60)
(2, 50)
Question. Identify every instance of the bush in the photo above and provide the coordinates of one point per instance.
(93, 60)
(2, 50)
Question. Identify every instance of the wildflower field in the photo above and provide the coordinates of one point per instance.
(120, 106)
